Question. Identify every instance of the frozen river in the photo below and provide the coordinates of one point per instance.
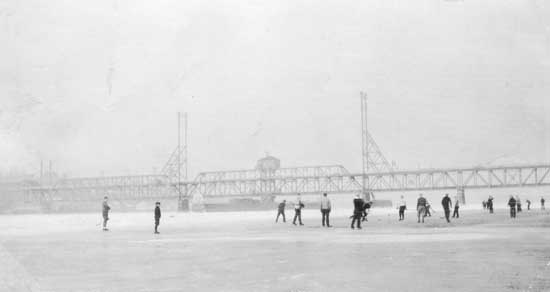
(248, 252)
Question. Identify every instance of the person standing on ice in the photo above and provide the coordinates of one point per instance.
(281, 211)
(457, 204)
(298, 206)
(325, 209)
(447, 205)
(490, 204)
(358, 205)
(512, 204)
(105, 212)
(421, 207)
(428, 206)
(157, 217)
(542, 203)
(366, 209)
(528, 204)
(402, 208)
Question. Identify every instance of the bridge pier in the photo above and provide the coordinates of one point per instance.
(183, 205)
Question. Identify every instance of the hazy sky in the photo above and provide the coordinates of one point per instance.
(95, 88)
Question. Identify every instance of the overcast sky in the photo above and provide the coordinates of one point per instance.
(95, 88)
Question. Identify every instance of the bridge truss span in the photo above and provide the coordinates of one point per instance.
(336, 179)
(481, 177)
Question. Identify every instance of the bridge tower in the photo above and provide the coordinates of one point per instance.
(373, 159)
(175, 169)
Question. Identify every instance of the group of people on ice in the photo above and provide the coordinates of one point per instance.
(361, 209)
(515, 205)
(106, 208)
(423, 208)
(362, 206)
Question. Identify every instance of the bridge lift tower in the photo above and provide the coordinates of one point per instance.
(175, 169)
(373, 159)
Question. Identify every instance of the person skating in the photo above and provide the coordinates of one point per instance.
(105, 212)
(512, 204)
(366, 209)
(358, 204)
(484, 203)
(325, 209)
(528, 205)
(421, 208)
(157, 217)
(281, 211)
(518, 204)
(428, 206)
(490, 204)
(542, 203)
(447, 205)
(402, 208)
(455, 213)
(298, 206)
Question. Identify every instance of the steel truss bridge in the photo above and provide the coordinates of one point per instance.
(138, 187)
(336, 179)
(377, 175)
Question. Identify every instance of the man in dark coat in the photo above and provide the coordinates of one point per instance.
(447, 205)
(542, 203)
(281, 211)
(512, 204)
(358, 205)
(490, 204)
(421, 207)
(157, 217)
(366, 210)
(105, 213)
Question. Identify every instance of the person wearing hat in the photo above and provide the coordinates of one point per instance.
(421, 204)
(298, 206)
(325, 210)
(105, 213)
(157, 217)
(358, 205)
(512, 204)
(447, 205)
(455, 213)
(490, 204)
